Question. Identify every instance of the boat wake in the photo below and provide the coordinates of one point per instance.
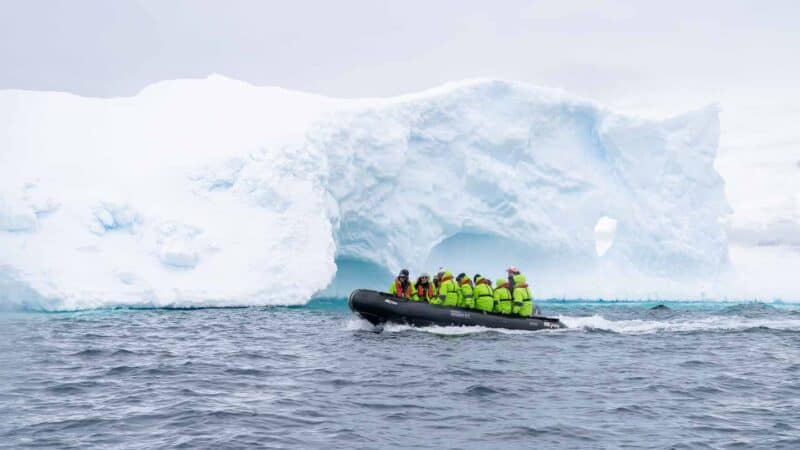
(357, 324)
(599, 323)
(710, 323)
(453, 330)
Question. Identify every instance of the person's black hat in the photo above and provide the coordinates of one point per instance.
(404, 273)
(475, 278)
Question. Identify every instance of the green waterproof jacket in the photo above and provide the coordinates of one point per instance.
(523, 303)
(397, 289)
(467, 299)
(502, 297)
(484, 297)
(435, 299)
(449, 293)
(423, 293)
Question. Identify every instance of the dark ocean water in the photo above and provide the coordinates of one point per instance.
(701, 375)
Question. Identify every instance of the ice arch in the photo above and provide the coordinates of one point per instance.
(418, 181)
(260, 191)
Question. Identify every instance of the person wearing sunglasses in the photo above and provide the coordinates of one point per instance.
(423, 289)
(401, 287)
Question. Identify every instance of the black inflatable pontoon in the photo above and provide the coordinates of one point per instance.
(380, 307)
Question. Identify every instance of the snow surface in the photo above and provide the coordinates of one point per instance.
(216, 192)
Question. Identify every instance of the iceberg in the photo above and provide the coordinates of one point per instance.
(215, 192)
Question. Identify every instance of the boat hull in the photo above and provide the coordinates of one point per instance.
(380, 307)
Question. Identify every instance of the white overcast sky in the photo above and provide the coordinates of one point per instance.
(378, 48)
(651, 57)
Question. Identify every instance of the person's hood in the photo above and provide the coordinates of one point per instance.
(482, 280)
(446, 274)
(501, 283)
(519, 279)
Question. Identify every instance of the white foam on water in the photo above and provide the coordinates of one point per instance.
(358, 324)
(452, 330)
(712, 323)
(598, 322)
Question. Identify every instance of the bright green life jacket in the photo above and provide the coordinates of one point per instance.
(484, 297)
(523, 303)
(467, 299)
(449, 292)
(435, 300)
(502, 297)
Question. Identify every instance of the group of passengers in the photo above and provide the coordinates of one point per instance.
(509, 296)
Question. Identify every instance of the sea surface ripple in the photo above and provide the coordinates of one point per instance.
(697, 375)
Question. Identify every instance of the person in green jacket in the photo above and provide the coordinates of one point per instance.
(423, 289)
(437, 281)
(502, 297)
(523, 303)
(511, 271)
(449, 292)
(401, 287)
(484, 298)
(467, 299)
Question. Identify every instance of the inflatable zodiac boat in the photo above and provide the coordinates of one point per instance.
(380, 307)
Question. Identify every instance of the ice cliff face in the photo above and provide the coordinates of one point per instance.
(481, 174)
(214, 192)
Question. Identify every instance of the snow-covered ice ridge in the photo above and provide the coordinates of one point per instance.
(216, 192)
